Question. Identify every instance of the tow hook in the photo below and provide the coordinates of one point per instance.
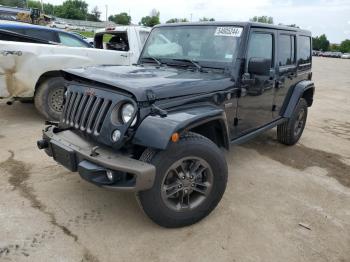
(10, 101)
(42, 144)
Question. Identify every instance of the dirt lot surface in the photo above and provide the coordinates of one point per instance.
(281, 203)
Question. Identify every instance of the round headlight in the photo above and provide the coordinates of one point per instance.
(127, 112)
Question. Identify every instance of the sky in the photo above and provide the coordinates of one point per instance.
(331, 17)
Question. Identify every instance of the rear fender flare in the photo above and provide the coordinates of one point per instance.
(297, 93)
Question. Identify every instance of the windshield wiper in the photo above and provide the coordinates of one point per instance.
(152, 58)
(195, 63)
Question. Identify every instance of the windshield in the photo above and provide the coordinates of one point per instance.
(202, 44)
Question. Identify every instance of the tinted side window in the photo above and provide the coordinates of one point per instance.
(41, 34)
(260, 45)
(304, 44)
(15, 30)
(71, 41)
(286, 50)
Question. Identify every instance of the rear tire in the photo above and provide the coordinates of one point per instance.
(290, 132)
(49, 96)
(191, 177)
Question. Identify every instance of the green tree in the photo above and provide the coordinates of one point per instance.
(72, 9)
(94, 15)
(49, 9)
(345, 46)
(320, 43)
(262, 19)
(334, 48)
(15, 3)
(120, 19)
(177, 20)
(34, 4)
(151, 20)
(205, 19)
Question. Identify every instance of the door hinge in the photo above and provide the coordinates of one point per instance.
(273, 108)
(235, 121)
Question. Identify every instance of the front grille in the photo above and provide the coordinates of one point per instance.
(85, 111)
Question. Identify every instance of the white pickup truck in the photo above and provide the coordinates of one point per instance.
(32, 70)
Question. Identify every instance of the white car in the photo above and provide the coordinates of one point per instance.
(72, 27)
(32, 70)
(346, 56)
(58, 24)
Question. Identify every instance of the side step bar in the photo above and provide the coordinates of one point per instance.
(250, 135)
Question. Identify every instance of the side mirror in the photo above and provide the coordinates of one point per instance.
(259, 66)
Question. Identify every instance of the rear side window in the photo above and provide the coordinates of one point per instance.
(41, 34)
(304, 44)
(260, 46)
(286, 50)
(117, 41)
(71, 41)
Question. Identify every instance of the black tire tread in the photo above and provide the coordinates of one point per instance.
(40, 98)
(149, 155)
(285, 131)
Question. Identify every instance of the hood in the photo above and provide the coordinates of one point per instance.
(164, 82)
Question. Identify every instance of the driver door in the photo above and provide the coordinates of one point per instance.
(255, 103)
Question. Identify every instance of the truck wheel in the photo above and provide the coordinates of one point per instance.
(290, 132)
(191, 177)
(48, 98)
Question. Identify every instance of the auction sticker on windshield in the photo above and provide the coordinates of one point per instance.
(229, 31)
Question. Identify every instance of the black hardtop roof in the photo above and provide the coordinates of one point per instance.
(243, 24)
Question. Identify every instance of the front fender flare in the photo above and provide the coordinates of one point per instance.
(155, 131)
(294, 98)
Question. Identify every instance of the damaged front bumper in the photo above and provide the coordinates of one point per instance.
(98, 165)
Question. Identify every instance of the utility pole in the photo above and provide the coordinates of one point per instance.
(106, 13)
(191, 18)
(42, 6)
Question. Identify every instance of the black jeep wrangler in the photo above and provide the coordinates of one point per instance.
(156, 128)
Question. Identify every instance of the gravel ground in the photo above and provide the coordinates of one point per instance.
(281, 203)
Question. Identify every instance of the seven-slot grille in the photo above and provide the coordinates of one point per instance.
(85, 111)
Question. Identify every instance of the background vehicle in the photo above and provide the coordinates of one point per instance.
(32, 70)
(89, 40)
(336, 54)
(157, 127)
(346, 56)
(58, 24)
(46, 33)
(120, 38)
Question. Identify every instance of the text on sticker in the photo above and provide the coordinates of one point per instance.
(229, 31)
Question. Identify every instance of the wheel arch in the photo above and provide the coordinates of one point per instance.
(209, 121)
(304, 89)
(46, 75)
(215, 130)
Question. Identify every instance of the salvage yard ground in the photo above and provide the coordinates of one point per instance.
(281, 203)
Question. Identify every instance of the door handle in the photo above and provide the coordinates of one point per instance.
(124, 55)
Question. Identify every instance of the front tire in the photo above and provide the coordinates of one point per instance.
(191, 177)
(290, 132)
(49, 96)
